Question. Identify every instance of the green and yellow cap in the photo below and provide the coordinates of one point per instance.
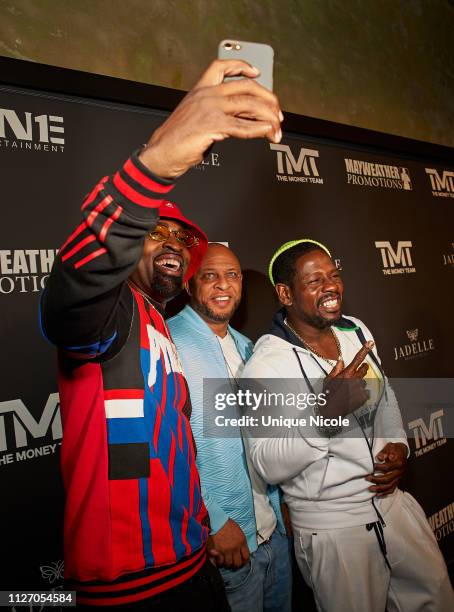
(288, 245)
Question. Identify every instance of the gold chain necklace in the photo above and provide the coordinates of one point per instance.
(312, 349)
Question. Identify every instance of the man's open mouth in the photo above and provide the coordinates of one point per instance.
(221, 300)
(170, 264)
(330, 304)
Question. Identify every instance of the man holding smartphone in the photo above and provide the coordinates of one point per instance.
(135, 522)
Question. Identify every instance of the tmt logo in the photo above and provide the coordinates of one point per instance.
(305, 165)
(442, 186)
(25, 424)
(37, 132)
(424, 434)
(396, 261)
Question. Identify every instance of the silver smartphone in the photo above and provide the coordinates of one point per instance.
(259, 55)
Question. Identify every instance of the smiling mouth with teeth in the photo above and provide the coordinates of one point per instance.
(331, 303)
(169, 264)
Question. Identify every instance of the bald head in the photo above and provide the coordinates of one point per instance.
(215, 289)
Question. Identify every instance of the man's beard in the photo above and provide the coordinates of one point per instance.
(166, 286)
(318, 321)
(221, 317)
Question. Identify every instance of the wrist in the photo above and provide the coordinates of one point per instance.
(154, 162)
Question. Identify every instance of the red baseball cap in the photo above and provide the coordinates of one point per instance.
(169, 210)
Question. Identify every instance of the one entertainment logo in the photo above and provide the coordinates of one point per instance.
(24, 427)
(428, 438)
(397, 261)
(370, 174)
(302, 169)
(31, 132)
(442, 522)
(25, 270)
(416, 347)
(442, 186)
(448, 258)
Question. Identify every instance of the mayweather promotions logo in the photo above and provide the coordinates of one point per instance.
(415, 347)
(369, 174)
(442, 182)
(27, 131)
(448, 258)
(428, 435)
(300, 167)
(25, 270)
(398, 260)
(442, 522)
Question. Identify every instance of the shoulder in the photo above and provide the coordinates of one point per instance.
(241, 338)
(349, 324)
(269, 353)
(182, 331)
(179, 323)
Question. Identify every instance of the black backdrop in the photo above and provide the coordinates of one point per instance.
(60, 131)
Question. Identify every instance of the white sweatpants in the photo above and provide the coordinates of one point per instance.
(347, 571)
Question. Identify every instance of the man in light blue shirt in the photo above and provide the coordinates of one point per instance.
(248, 538)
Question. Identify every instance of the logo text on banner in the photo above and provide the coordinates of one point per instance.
(32, 132)
(424, 433)
(417, 347)
(442, 522)
(397, 261)
(300, 169)
(25, 270)
(369, 174)
(448, 258)
(26, 427)
(442, 184)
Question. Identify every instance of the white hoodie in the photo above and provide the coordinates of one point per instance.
(323, 478)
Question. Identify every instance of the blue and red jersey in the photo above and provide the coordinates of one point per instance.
(135, 522)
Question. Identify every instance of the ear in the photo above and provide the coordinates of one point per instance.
(284, 293)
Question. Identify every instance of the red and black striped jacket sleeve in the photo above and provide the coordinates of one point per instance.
(86, 293)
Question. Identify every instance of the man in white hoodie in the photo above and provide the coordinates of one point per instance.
(362, 547)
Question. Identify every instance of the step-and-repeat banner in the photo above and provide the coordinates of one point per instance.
(388, 220)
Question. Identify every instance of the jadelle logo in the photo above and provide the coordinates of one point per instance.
(442, 182)
(300, 169)
(396, 261)
(370, 174)
(25, 429)
(442, 522)
(27, 131)
(448, 258)
(212, 160)
(429, 436)
(417, 346)
(25, 270)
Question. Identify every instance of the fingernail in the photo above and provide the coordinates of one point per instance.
(281, 115)
(255, 69)
(370, 344)
(278, 136)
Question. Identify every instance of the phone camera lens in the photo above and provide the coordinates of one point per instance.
(228, 46)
